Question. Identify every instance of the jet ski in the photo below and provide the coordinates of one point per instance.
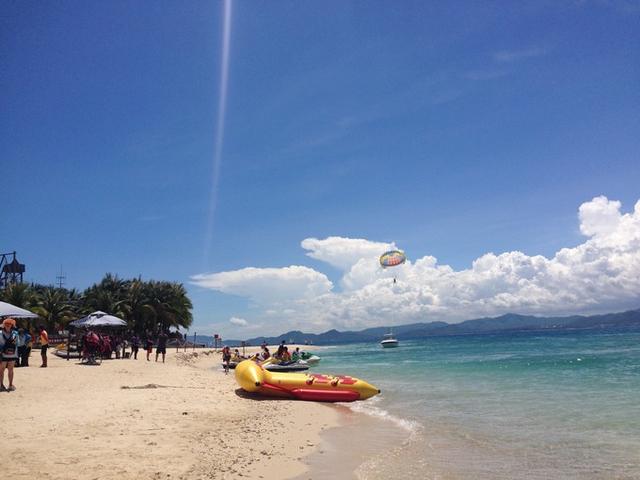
(273, 366)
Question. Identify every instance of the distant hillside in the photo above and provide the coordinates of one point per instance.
(505, 323)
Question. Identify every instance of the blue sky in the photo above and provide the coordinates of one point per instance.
(451, 129)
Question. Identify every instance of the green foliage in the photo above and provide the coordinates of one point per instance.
(54, 306)
(21, 295)
(145, 305)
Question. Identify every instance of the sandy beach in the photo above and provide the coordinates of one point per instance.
(129, 419)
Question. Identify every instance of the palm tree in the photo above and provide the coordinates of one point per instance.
(21, 295)
(135, 307)
(170, 304)
(106, 296)
(54, 307)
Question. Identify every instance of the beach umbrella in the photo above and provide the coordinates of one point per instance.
(98, 319)
(8, 310)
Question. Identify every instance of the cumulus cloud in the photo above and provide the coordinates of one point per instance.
(600, 216)
(342, 252)
(267, 284)
(240, 322)
(600, 274)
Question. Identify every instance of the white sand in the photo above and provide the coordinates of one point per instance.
(77, 422)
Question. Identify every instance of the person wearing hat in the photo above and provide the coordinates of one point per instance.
(8, 352)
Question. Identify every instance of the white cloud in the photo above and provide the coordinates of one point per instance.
(601, 274)
(342, 252)
(240, 322)
(600, 216)
(268, 284)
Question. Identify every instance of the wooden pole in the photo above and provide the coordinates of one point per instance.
(194, 340)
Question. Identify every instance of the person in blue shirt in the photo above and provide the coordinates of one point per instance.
(24, 339)
(8, 352)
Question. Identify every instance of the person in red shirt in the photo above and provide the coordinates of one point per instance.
(44, 345)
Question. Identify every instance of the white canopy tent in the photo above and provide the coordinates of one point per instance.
(98, 319)
(8, 310)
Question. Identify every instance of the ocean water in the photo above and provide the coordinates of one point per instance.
(520, 406)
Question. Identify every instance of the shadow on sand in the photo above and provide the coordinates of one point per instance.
(254, 396)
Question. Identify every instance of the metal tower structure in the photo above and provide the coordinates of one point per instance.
(11, 269)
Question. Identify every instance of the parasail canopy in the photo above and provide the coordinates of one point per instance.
(392, 258)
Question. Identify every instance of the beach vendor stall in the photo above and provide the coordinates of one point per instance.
(95, 321)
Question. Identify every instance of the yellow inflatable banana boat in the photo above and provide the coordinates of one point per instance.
(322, 388)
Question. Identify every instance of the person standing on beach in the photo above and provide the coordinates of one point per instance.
(8, 352)
(135, 344)
(162, 345)
(28, 343)
(148, 345)
(20, 344)
(24, 347)
(226, 358)
(44, 345)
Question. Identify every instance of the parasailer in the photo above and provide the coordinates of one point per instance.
(392, 258)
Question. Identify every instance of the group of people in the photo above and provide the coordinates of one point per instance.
(147, 343)
(94, 343)
(15, 349)
(282, 355)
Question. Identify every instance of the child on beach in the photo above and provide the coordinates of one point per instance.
(8, 352)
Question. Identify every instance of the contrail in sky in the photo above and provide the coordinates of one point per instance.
(219, 139)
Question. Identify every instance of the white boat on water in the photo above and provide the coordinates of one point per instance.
(389, 341)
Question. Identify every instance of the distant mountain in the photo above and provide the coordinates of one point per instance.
(509, 322)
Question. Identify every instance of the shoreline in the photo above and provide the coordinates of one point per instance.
(136, 419)
(356, 445)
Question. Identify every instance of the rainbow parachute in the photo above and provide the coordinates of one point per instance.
(392, 258)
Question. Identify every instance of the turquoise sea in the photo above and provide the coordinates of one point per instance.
(518, 406)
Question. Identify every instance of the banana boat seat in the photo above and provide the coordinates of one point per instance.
(316, 387)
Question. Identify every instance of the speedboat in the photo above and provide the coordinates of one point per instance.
(389, 341)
